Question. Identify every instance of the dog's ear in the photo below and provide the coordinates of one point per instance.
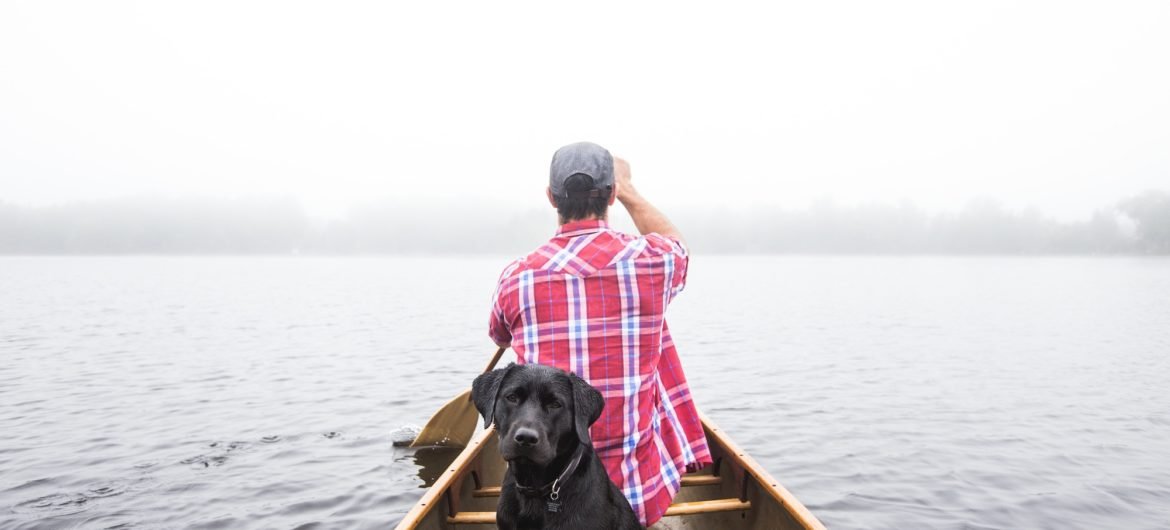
(485, 391)
(587, 405)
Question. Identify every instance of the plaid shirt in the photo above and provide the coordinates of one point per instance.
(592, 301)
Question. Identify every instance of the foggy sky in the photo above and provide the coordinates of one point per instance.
(1057, 105)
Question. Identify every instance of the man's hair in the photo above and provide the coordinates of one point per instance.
(581, 203)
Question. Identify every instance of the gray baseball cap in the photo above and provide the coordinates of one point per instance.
(581, 158)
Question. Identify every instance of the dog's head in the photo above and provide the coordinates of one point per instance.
(538, 410)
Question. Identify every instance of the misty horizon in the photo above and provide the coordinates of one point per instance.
(281, 225)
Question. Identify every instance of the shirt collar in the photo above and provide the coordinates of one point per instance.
(582, 227)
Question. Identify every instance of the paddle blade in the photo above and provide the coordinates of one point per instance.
(452, 425)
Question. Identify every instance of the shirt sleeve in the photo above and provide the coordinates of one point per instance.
(499, 329)
(678, 261)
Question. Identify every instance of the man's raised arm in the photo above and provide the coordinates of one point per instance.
(646, 217)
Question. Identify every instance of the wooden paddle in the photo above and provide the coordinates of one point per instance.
(454, 424)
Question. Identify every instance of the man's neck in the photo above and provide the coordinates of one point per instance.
(562, 221)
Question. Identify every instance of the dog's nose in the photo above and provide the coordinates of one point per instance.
(525, 436)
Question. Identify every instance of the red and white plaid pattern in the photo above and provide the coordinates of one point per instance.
(592, 301)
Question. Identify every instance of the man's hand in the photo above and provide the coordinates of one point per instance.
(646, 217)
(621, 176)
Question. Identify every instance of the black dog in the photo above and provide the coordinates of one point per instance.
(554, 479)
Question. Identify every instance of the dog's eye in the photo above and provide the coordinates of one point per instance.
(512, 398)
(554, 404)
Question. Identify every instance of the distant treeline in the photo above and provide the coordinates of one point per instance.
(1137, 225)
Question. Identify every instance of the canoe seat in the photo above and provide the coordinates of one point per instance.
(711, 506)
(486, 491)
(701, 480)
(472, 518)
(687, 481)
(681, 508)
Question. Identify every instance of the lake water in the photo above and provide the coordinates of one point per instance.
(253, 392)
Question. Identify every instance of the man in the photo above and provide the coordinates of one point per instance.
(592, 301)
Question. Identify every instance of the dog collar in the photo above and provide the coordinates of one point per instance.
(553, 490)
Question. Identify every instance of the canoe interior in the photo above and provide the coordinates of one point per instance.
(467, 491)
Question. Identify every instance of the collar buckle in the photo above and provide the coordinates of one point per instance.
(556, 490)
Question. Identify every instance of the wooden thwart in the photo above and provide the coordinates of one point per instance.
(473, 518)
(488, 491)
(682, 508)
(701, 480)
(687, 480)
(711, 506)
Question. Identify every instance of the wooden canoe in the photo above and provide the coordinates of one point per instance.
(733, 493)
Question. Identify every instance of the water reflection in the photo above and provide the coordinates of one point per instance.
(432, 462)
